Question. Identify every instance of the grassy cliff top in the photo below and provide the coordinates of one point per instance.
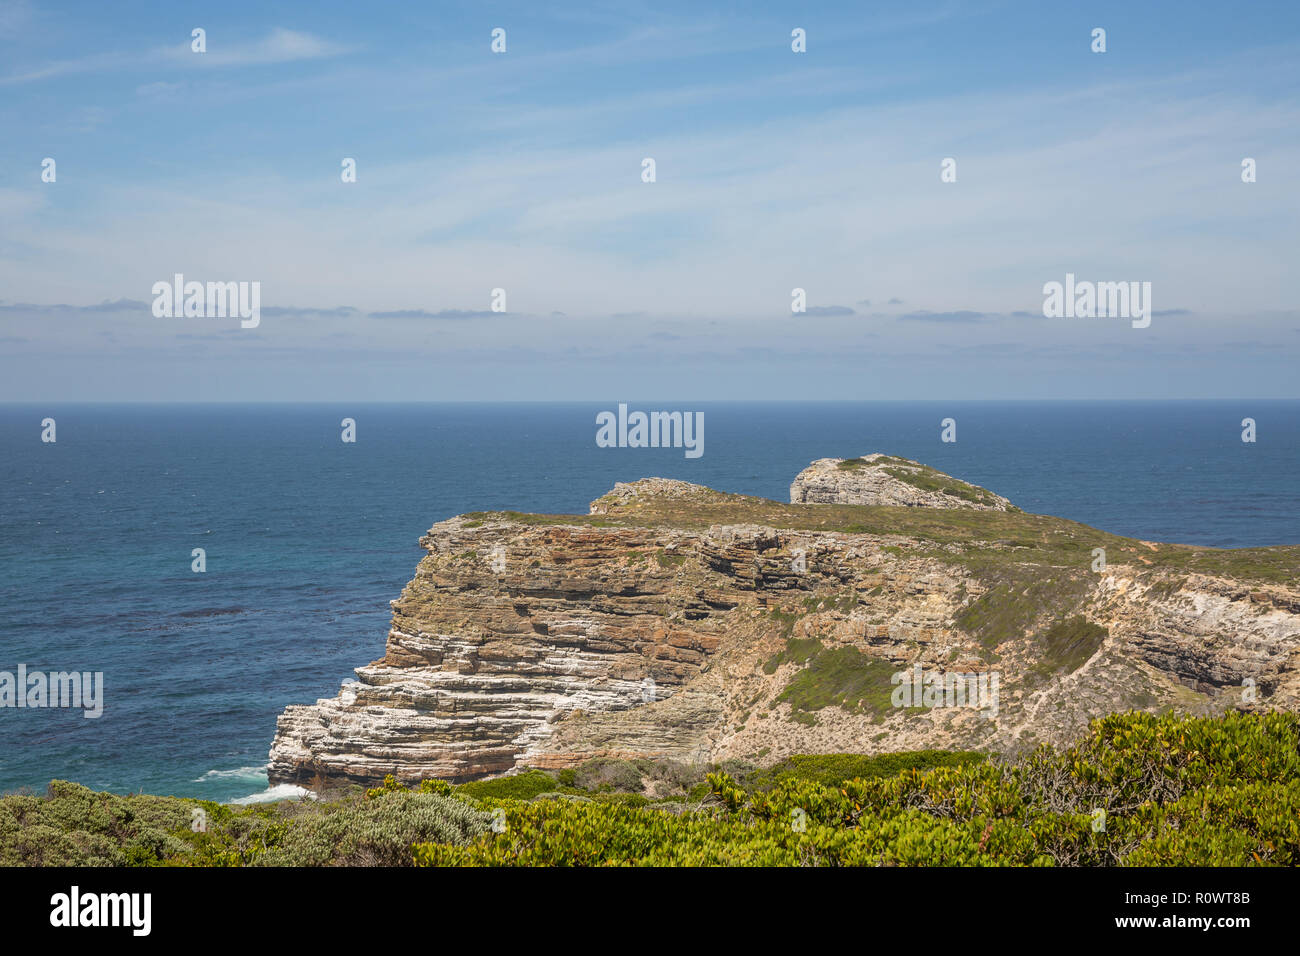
(955, 535)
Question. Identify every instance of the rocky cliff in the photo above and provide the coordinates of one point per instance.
(878, 479)
(674, 621)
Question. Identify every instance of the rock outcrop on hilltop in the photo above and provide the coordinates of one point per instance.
(878, 479)
(679, 622)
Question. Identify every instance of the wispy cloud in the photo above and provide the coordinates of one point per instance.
(289, 311)
(962, 315)
(88, 64)
(775, 171)
(457, 314)
(114, 305)
(278, 46)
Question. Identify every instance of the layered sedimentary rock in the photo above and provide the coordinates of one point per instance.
(506, 630)
(878, 479)
(678, 622)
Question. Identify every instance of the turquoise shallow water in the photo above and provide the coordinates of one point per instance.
(308, 538)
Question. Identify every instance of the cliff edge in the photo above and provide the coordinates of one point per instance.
(678, 622)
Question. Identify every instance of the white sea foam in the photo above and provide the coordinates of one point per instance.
(281, 791)
(241, 772)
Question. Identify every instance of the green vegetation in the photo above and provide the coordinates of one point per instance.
(375, 831)
(953, 535)
(843, 602)
(1016, 600)
(851, 464)
(667, 559)
(833, 770)
(1138, 791)
(520, 786)
(1276, 564)
(1068, 644)
(607, 775)
(927, 479)
(845, 677)
(797, 650)
(786, 619)
(75, 826)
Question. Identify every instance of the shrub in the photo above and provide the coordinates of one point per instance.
(76, 826)
(1258, 823)
(374, 832)
(834, 769)
(521, 786)
(797, 649)
(670, 777)
(1176, 792)
(607, 773)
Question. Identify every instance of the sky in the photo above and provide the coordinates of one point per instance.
(522, 171)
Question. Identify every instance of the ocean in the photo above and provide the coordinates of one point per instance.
(308, 538)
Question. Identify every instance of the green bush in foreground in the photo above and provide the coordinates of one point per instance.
(75, 826)
(833, 769)
(522, 786)
(378, 831)
(1139, 790)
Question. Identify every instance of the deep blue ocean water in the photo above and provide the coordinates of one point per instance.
(309, 538)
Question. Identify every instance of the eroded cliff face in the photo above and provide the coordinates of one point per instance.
(679, 622)
(879, 479)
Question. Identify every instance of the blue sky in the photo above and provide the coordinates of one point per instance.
(522, 171)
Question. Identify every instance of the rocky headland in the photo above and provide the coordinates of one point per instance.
(678, 622)
(887, 480)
